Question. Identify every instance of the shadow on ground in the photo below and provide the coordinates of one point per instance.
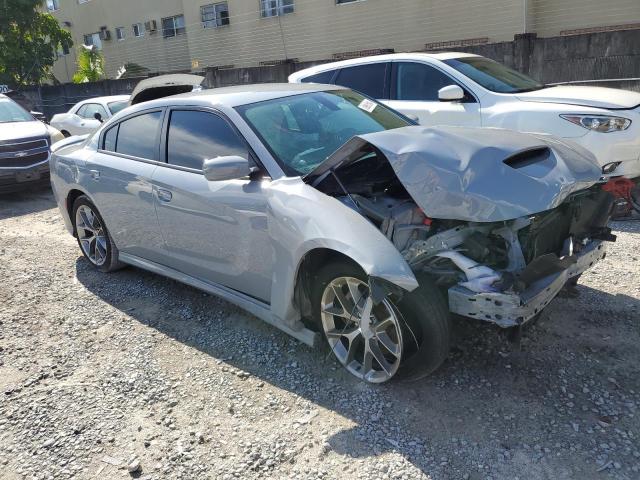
(490, 394)
(26, 202)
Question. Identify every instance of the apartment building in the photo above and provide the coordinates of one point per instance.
(189, 35)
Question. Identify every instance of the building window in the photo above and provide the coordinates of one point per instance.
(120, 33)
(172, 26)
(53, 5)
(215, 15)
(274, 8)
(93, 39)
(138, 30)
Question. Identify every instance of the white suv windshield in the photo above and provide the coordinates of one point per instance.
(493, 75)
(10, 111)
(301, 131)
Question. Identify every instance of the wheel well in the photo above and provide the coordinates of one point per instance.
(71, 198)
(312, 261)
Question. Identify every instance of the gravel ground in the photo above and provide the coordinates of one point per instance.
(132, 375)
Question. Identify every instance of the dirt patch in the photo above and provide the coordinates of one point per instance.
(99, 371)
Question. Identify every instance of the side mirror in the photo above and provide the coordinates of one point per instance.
(450, 93)
(226, 168)
(97, 116)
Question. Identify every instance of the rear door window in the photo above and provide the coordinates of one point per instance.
(90, 109)
(323, 77)
(418, 81)
(139, 135)
(110, 138)
(196, 136)
(370, 79)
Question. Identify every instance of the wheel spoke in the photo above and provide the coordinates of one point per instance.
(347, 306)
(349, 333)
(366, 310)
(385, 340)
(338, 312)
(356, 295)
(383, 324)
(372, 351)
(87, 225)
(352, 348)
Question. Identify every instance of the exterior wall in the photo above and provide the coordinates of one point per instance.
(554, 16)
(318, 29)
(151, 51)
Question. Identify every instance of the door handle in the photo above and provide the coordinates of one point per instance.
(164, 195)
(95, 174)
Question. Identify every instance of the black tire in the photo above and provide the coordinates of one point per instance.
(424, 318)
(111, 262)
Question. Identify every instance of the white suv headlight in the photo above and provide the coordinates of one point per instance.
(599, 123)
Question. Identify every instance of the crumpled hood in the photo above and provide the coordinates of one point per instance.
(18, 130)
(598, 97)
(480, 174)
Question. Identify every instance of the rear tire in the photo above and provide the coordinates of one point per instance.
(94, 240)
(414, 342)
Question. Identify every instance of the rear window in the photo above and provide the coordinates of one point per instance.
(138, 136)
(323, 77)
(115, 107)
(368, 79)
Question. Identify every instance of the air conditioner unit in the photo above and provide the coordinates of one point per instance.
(105, 34)
(151, 26)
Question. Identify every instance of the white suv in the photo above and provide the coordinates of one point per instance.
(466, 89)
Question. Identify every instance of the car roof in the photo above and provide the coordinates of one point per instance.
(239, 95)
(380, 58)
(105, 99)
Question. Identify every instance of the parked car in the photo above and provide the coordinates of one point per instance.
(320, 210)
(470, 90)
(24, 148)
(86, 116)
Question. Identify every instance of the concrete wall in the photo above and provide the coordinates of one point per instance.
(319, 29)
(596, 56)
(605, 55)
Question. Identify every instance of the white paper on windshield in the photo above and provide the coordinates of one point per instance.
(367, 105)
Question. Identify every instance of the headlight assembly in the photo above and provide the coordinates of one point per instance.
(599, 123)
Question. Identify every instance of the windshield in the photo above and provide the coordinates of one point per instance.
(301, 131)
(115, 107)
(10, 111)
(493, 75)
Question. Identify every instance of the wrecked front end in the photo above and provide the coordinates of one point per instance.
(501, 221)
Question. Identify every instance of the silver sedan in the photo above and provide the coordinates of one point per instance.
(323, 212)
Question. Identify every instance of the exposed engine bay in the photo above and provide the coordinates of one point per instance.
(503, 271)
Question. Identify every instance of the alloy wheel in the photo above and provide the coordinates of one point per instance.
(91, 235)
(365, 338)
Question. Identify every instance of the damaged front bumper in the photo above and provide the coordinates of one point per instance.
(513, 309)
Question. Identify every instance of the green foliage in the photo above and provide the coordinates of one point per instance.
(29, 42)
(90, 65)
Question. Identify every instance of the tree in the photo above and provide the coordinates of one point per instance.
(90, 65)
(29, 42)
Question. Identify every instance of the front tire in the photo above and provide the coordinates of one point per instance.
(94, 240)
(397, 338)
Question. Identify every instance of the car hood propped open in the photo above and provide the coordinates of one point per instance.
(474, 174)
(164, 86)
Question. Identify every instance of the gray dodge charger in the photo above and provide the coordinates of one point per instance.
(323, 212)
